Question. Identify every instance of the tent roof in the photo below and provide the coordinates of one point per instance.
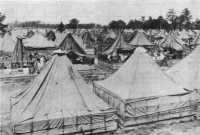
(187, 71)
(38, 41)
(140, 40)
(18, 51)
(8, 43)
(60, 37)
(140, 77)
(78, 40)
(57, 90)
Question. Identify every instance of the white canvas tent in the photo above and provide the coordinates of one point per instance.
(72, 43)
(140, 40)
(171, 41)
(140, 77)
(59, 102)
(8, 43)
(142, 93)
(118, 44)
(187, 72)
(38, 41)
(60, 37)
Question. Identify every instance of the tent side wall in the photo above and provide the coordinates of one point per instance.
(152, 109)
(161, 108)
(94, 123)
(111, 99)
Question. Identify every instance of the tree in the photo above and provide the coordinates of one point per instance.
(186, 18)
(2, 17)
(130, 24)
(197, 24)
(121, 24)
(2, 26)
(113, 25)
(186, 14)
(171, 17)
(135, 24)
(61, 27)
(73, 23)
(51, 35)
(117, 25)
(148, 23)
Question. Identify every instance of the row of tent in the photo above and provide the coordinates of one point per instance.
(23, 50)
(140, 39)
(38, 41)
(60, 102)
(87, 38)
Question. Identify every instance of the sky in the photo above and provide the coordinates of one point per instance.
(96, 11)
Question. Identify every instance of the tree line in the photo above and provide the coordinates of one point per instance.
(171, 21)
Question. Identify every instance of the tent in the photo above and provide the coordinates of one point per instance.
(132, 76)
(8, 43)
(187, 71)
(17, 56)
(59, 37)
(140, 40)
(88, 39)
(141, 92)
(38, 41)
(118, 44)
(172, 42)
(72, 43)
(59, 102)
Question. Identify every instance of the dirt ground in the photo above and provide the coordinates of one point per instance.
(184, 128)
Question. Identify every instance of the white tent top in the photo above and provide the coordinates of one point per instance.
(58, 91)
(187, 72)
(140, 77)
(78, 40)
(20, 32)
(140, 40)
(38, 41)
(8, 43)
